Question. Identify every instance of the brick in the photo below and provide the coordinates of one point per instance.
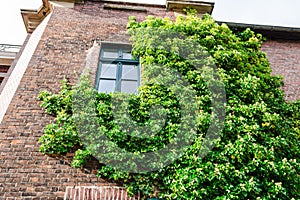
(69, 35)
(62, 50)
(284, 58)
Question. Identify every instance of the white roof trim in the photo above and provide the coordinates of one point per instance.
(14, 79)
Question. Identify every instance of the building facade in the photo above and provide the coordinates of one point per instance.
(8, 54)
(62, 41)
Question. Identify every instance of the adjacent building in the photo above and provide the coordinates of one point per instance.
(8, 54)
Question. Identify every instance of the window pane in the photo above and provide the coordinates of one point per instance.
(127, 54)
(130, 72)
(129, 86)
(110, 53)
(107, 86)
(108, 71)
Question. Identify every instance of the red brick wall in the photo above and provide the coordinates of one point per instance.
(284, 57)
(25, 173)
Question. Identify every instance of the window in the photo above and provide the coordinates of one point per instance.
(117, 70)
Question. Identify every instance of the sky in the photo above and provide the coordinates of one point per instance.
(265, 12)
(12, 27)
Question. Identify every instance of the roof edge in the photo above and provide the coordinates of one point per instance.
(269, 31)
(33, 17)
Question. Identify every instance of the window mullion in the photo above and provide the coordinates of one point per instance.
(119, 77)
(120, 52)
(120, 61)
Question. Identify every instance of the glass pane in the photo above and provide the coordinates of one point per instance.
(109, 53)
(127, 54)
(130, 72)
(107, 86)
(108, 70)
(129, 86)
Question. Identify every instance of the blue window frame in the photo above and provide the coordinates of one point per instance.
(117, 70)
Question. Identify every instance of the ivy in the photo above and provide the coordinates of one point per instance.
(257, 155)
(61, 135)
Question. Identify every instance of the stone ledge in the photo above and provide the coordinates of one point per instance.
(32, 17)
(71, 1)
(100, 192)
(124, 8)
(202, 7)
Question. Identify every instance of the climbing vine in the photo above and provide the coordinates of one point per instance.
(257, 155)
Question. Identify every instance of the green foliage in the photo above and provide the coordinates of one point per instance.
(140, 107)
(257, 156)
(81, 157)
(61, 135)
